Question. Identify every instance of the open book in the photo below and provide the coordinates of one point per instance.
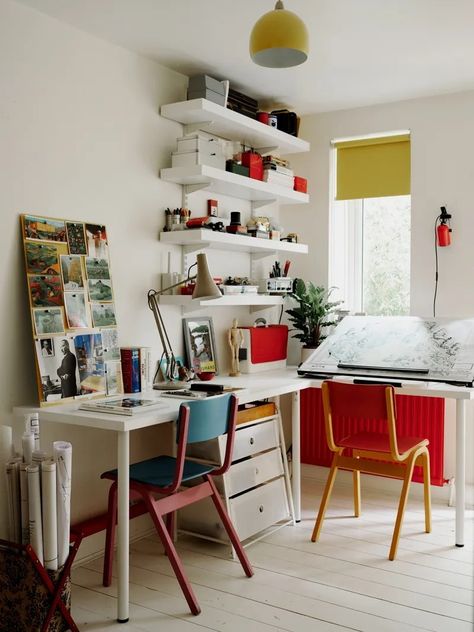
(122, 405)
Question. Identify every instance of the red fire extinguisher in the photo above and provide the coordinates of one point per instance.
(443, 230)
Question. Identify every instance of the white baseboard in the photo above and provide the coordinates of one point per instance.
(388, 485)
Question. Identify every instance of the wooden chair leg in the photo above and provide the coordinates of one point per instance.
(110, 535)
(325, 499)
(401, 507)
(229, 527)
(170, 524)
(427, 489)
(172, 555)
(356, 485)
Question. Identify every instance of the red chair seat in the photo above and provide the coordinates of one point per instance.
(379, 442)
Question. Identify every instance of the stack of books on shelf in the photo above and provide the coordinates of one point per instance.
(242, 103)
(277, 171)
(136, 369)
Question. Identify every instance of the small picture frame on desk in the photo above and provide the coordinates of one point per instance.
(200, 344)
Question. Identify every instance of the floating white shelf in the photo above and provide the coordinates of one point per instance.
(218, 120)
(232, 184)
(246, 300)
(206, 238)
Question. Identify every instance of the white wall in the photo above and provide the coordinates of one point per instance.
(81, 138)
(442, 173)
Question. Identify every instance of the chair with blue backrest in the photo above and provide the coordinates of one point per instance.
(197, 421)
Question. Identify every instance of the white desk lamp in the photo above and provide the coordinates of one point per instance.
(204, 289)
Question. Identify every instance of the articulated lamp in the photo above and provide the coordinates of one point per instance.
(204, 289)
(279, 39)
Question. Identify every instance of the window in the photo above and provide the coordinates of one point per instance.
(369, 245)
(370, 254)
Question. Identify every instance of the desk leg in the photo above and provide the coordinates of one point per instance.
(460, 469)
(296, 453)
(123, 460)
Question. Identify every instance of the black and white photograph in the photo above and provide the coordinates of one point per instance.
(48, 320)
(200, 344)
(59, 372)
(47, 347)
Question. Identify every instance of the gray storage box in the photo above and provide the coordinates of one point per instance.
(206, 87)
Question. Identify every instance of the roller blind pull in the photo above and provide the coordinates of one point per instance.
(373, 167)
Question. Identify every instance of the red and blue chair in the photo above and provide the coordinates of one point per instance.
(197, 421)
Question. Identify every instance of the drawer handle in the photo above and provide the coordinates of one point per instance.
(252, 440)
(260, 509)
(256, 470)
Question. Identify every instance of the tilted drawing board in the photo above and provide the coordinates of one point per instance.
(401, 347)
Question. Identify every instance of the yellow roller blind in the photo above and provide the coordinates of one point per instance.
(373, 167)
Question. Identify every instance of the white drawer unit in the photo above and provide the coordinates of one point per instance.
(248, 440)
(256, 489)
(260, 508)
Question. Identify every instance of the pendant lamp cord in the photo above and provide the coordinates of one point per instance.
(436, 266)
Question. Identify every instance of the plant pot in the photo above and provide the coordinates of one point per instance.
(306, 352)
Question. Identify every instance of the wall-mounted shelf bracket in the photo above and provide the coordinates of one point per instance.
(190, 128)
(256, 204)
(191, 188)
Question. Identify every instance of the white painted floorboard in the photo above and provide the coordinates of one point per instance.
(343, 582)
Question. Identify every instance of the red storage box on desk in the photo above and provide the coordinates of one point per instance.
(300, 184)
(254, 162)
(263, 348)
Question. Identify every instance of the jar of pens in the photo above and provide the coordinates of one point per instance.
(176, 219)
(278, 281)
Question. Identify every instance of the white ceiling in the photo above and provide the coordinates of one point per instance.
(361, 51)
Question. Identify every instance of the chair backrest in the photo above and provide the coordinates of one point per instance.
(203, 420)
(363, 401)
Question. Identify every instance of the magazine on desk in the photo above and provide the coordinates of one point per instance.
(122, 405)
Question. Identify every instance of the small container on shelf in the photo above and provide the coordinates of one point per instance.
(276, 285)
(300, 184)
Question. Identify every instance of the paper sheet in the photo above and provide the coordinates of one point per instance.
(24, 511)
(6, 451)
(34, 507)
(63, 457)
(49, 505)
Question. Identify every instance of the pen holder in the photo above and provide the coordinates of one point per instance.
(276, 285)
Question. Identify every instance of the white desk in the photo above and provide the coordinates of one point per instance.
(256, 386)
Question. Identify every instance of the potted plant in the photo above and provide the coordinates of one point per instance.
(313, 314)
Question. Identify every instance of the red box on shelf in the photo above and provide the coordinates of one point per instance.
(254, 162)
(300, 184)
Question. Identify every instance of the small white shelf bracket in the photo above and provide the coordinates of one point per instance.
(190, 128)
(191, 188)
(267, 150)
(190, 250)
(256, 204)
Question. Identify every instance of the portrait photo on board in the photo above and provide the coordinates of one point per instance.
(59, 373)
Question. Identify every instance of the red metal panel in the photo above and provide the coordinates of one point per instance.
(416, 417)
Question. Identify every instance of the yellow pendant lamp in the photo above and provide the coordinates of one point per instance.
(279, 39)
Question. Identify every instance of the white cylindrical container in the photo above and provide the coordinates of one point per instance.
(28, 445)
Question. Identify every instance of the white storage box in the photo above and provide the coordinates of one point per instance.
(192, 158)
(205, 143)
(239, 289)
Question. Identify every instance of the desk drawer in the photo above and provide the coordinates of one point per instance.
(259, 508)
(250, 513)
(249, 440)
(253, 472)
